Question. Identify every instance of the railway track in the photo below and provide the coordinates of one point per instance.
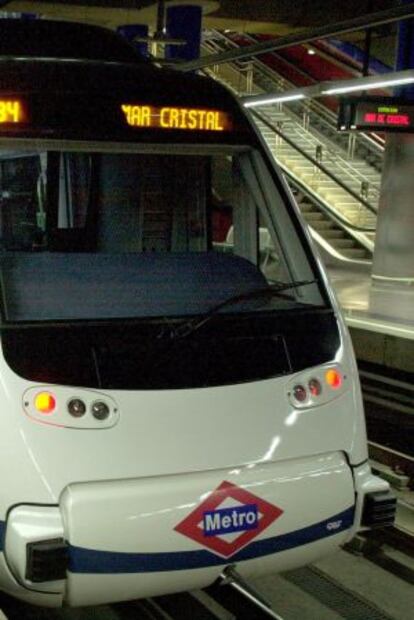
(218, 602)
(389, 407)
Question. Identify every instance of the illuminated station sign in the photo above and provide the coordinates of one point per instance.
(187, 119)
(376, 114)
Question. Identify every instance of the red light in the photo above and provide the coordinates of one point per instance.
(44, 402)
(333, 378)
(315, 387)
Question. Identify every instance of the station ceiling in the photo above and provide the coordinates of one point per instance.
(266, 16)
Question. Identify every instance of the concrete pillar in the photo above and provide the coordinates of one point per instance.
(394, 244)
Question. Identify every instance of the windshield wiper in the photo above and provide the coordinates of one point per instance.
(186, 328)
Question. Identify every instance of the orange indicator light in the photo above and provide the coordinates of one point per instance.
(45, 402)
(11, 111)
(190, 119)
(333, 378)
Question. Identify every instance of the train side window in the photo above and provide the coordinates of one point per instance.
(270, 255)
(238, 225)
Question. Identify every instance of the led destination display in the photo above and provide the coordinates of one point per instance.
(385, 114)
(189, 119)
(34, 113)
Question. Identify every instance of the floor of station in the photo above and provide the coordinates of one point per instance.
(341, 586)
(375, 305)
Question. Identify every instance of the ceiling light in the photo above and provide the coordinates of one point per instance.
(275, 99)
(311, 51)
(364, 86)
(335, 87)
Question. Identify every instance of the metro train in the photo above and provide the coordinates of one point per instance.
(178, 388)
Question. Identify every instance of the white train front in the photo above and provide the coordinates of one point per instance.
(178, 389)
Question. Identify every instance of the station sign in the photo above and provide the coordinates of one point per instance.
(385, 114)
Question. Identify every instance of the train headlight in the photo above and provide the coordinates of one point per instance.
(100, 410)
(299, 393)
(76, 407)
(45, 402)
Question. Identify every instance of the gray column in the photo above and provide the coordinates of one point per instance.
(394, 245)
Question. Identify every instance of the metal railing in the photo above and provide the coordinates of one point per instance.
(242, 77)
(333, 158)
(345, 221)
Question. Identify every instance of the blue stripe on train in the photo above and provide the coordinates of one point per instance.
(83, 560)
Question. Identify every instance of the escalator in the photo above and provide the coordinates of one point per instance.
(335, 177)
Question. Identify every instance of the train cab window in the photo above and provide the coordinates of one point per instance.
(159, 202)
(130, 248)
(151, 203)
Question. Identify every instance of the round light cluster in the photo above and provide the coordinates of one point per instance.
(46, 403)
(302, 393)
(317, 390)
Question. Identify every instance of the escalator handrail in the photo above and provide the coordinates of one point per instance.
(323, 206)
(314, 162)
(336, 159)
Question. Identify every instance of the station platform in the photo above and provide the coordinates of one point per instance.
(375, 305)
(380, 317)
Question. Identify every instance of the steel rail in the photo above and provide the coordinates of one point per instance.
(392, 458)
(370, 20)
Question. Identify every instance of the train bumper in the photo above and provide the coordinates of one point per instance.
(119, 540)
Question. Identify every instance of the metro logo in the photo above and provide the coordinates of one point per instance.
(215, 524)
(229, 520)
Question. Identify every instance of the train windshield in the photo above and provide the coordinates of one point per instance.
(89, 235)
(154, 268)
